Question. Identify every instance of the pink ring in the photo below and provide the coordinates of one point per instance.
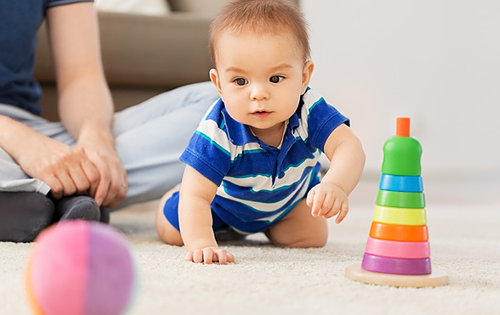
(396, 249)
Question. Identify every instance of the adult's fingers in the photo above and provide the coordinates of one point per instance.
(56, 187)
(117, 190)
(102, 189)
(92, 175)
(68, 186)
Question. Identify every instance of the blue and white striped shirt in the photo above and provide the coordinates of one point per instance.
(258, 183)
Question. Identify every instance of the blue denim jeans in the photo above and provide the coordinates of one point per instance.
(150, 137)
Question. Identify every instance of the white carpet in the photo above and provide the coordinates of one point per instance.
(463, 221)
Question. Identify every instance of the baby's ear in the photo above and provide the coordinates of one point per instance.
(307, 74)
(214, 77)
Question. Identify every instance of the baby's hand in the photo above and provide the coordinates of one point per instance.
(208, 255)
(327, 200)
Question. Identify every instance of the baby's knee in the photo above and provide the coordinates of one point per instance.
(166, 231)
(314, 240)
(317, 238)
(319, 241)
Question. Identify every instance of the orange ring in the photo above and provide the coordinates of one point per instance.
(402, 233)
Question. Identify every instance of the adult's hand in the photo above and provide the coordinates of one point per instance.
(92, 166)
(112, 186)
(65, 169)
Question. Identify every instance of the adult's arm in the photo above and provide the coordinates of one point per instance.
(85, 103)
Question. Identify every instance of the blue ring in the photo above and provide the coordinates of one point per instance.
(401, 183)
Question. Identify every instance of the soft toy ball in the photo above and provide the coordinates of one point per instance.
(80, 268)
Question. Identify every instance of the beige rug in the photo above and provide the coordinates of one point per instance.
(463, 221)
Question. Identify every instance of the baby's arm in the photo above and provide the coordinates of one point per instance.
(347, 159)
(195, 219)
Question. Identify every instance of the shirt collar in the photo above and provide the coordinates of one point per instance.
(238, 133)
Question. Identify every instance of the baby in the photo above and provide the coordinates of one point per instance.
(253, 163)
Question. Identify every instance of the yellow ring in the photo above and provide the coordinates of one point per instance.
(400, 216)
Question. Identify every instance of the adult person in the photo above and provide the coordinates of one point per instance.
(93, 160)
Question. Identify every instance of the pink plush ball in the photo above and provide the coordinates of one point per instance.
(80, 268)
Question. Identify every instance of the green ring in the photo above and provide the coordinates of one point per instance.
(398, 199)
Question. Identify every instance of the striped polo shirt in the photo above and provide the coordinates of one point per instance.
(259, 184)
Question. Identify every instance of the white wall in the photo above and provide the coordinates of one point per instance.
(436, 61)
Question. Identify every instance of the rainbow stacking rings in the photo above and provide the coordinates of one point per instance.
(398, 242)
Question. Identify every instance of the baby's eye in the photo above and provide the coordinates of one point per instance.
(240, 81)
(276, 78)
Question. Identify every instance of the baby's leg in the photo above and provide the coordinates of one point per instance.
(299, 229)
(167, 232)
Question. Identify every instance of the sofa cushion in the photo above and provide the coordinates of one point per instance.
(145, 51)
(155, 51)
(212, 6)
(205, 6)
(146, 7)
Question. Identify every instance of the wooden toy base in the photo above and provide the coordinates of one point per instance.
(436, 278)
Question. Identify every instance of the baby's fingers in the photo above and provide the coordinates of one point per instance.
(196, 256)
(310, 198)
(334, 209)
(223, 257)
(315, 202)
(343, 212)
(189, 256)
(230, 258)
(209, 255)
(328, 204)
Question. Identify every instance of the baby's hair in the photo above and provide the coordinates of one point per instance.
(261, 17)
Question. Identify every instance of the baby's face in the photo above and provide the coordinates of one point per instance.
(260, 79)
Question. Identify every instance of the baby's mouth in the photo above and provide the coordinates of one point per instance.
(261, 114)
